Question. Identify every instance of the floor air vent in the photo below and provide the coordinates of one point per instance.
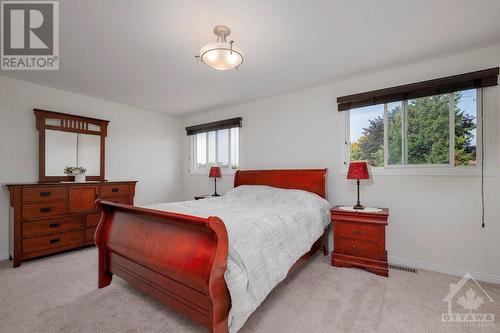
(403, 268)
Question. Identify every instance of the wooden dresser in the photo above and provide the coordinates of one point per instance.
(48, 218)
(359, 239)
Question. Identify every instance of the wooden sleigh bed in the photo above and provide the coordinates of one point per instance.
(180, 259)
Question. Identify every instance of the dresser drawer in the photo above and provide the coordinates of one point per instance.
(90, 234)
(53, 241)
(122, 200)
(45, 209)
(110, 191)
(48, 193)
(92, 220)
(359, 248)
(53, 226)
(358, 231)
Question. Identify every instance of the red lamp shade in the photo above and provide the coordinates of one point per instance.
(215, 172)
(358, 170)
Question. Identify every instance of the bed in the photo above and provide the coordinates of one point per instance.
(197, 264)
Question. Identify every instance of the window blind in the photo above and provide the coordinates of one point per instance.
(478, 79)
(214, 126)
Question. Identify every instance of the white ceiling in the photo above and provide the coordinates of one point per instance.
(141, 53)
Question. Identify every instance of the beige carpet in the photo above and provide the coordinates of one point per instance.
(59, 294)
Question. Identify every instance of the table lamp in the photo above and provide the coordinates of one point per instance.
(358, 170)
(215, 173)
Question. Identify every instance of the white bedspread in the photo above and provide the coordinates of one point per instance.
(269, 229)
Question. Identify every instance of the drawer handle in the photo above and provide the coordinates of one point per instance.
(54, 225)
(358, 232)
(45, 210)
(115, 190)
(45, 194)
(358, 249)
(55, 241)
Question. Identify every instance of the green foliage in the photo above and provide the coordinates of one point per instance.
(428, 130)
(378, 157)
(73, 171)
(356, 152)
(465, 151)
(427, 137)
(370, 144)
(394, 135)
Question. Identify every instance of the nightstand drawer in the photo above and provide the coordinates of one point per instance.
(359, 248)
(358, 231)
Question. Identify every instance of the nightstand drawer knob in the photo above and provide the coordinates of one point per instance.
(358, 232)
(359, 250)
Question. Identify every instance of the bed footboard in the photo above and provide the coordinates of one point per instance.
(178, 259)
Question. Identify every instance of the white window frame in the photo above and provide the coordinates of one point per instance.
(485, 108)
(204, 171)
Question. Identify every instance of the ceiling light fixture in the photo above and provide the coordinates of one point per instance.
(221, 55)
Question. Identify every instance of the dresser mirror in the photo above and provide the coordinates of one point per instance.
(70, 141)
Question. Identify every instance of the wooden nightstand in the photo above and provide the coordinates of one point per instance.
(359, 240)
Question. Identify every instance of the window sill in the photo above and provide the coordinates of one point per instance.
(426, 171)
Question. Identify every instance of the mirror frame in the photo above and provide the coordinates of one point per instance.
(68, 123)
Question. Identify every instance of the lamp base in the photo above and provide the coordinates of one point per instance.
(358, 206)
(216, 195)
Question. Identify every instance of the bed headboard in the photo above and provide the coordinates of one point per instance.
(311, 180)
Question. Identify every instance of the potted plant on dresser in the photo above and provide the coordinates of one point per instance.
(77, 172)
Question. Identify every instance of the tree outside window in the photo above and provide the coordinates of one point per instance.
(418, 131)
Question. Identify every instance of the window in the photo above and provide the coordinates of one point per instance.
(220, 147)
(439, 130)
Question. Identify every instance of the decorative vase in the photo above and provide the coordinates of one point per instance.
(80, 178)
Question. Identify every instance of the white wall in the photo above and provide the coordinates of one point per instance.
(434, 220)
(140, 145)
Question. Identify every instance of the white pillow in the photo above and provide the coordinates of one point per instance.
(274, 195)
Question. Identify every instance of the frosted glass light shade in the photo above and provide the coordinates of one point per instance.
(219, 55)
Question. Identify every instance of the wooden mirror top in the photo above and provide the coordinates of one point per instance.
(56, 121)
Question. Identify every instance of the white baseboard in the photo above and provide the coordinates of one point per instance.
(444, 269)
(4, 255)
